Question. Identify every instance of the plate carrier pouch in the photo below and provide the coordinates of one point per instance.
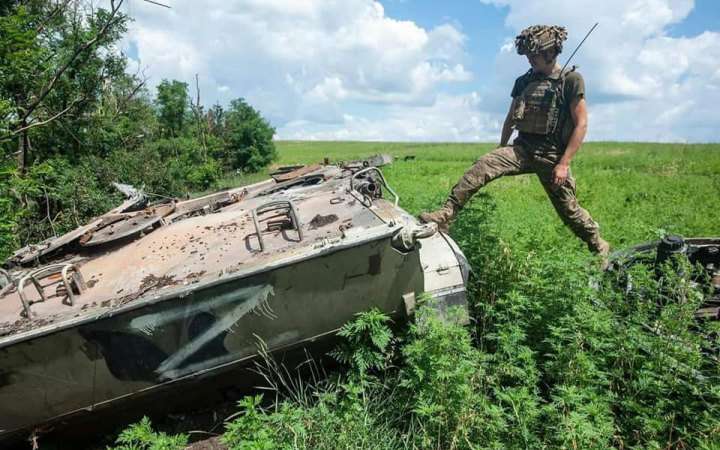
(537, 110)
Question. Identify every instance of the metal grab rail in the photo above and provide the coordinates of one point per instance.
(382, 179)
(291, 213)
(9, 283)
(69, 280)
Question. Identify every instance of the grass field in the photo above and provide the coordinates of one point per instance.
(557, 355)
(634, 190)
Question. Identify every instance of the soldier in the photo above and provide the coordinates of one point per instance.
(548, 109)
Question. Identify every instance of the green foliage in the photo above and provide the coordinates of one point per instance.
(54, 197)
(72, 121)
(172, 103)
(440, 378)
(141, 436)
(348, 416)
(368, 341)
(248, 138)
(558, 355)
(252, 429)
(57, 62)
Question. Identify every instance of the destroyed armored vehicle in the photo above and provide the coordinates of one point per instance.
(159, 295)
(701, 253)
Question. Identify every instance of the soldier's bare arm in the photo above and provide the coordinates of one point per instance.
(578, 110)
(507, 125)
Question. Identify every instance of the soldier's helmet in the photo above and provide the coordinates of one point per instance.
(538, 38)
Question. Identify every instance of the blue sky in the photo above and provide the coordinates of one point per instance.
(421, 70)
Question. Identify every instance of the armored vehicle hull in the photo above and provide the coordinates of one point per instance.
(151, 304)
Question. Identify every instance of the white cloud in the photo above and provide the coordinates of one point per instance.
(451, 118)
(642, 84)
(298, 60)
(343, 69)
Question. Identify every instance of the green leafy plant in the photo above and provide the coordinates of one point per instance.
(368, 342)
(141, 436)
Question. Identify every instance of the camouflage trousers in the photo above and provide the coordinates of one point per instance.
(516, 160)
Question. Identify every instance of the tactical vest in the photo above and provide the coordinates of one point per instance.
(538, 107)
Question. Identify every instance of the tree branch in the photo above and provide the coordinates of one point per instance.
(78, 51)
(42, 122)
(59, 7)
(130, 96)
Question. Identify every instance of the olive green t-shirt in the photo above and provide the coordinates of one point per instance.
(556, 142)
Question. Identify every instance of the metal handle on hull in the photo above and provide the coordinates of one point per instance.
(382, 179)
(67, 279)
(9, 283)
(273, 206)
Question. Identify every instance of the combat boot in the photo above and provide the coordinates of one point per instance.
(600, 247)
(443, 217)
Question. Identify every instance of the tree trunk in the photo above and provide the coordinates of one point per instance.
(22, 150)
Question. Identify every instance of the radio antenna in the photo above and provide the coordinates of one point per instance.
(578, 47)
(157, 3)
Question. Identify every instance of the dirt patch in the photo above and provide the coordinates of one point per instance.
(320, 221)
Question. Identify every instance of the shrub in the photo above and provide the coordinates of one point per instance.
(248, 138)
(140, 436)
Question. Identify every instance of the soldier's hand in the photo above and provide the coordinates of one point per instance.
(560, 174)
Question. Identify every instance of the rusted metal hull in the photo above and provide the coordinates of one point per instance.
(216, 327)
(182, 290)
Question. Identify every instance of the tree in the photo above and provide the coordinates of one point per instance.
(215, 119)
(172, 102)
(55, 58)
(248, 138)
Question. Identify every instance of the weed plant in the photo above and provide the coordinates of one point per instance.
(558, 355)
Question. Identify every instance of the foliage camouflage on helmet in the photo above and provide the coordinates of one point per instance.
(538, 38)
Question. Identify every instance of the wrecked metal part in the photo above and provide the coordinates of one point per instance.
(372, 178)
(67, 277)
(205, 205)
(33, 254)
(123, 223)
(285, 169)
(7, 283)
(297, 171)
(704, 252)
(129, 191)
(297, 182)
(189, 300)
(378, 160)
(285, 217)
(121, 226)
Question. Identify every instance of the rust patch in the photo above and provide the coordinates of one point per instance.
(23, 324)
(298, 172)
(194, 277)
(320, 221)
(153, 282)
(224, 226)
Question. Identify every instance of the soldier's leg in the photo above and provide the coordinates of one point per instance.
(564, 200)
(499, 162)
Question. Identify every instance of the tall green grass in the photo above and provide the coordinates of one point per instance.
(558, 354)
